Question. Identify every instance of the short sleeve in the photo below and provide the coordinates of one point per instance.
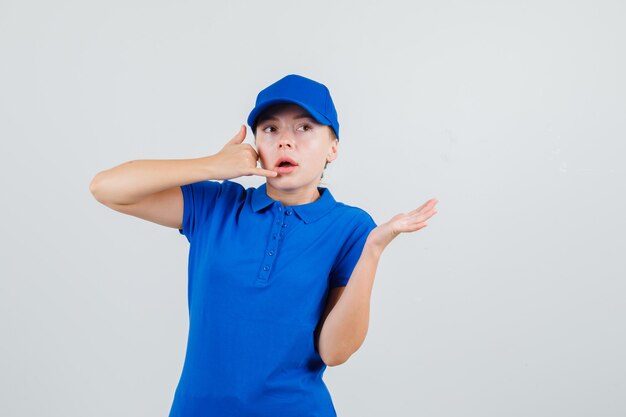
(199, 199)
(351, 251)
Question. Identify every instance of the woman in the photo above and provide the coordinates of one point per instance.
(280, 276)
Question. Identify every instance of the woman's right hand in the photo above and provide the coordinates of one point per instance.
(237, 159)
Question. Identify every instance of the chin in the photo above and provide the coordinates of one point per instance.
(283, 179)
(283, 183)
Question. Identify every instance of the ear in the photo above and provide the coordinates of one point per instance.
(333, 150)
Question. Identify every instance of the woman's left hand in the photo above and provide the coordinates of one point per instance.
(412, 221)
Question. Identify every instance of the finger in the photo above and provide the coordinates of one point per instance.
(430, 202)
(253, 152)
(264, 172)
(239, 137)
(422, 216)
(423, 206)
(412, 227)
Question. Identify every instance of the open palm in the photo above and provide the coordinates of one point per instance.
(412, 221)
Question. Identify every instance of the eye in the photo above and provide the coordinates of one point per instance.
(309, 127)
(268, 127)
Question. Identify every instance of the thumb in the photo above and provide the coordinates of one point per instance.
(239, 137)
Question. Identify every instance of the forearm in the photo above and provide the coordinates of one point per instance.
(132, 181)
(345, 328)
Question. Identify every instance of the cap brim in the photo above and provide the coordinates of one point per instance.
(264, 105)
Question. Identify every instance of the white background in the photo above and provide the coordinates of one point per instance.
(512, 114)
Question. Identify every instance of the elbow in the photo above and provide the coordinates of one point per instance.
(335, 361)
(338, 352)
(334, 358)
(94, 188)
(93, 184)
(100, 188)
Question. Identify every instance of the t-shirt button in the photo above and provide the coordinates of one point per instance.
(266, 268)
(280, 208)
(270, 253)
(285, 225)
(288, 212)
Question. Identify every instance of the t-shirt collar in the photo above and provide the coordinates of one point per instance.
(309, 212)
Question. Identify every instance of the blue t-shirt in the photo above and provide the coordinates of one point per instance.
(259, 276)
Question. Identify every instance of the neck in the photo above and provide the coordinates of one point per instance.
(293, 197)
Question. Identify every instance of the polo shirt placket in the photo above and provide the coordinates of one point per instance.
(277, 234)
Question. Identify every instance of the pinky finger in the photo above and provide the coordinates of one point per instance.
(265, 172)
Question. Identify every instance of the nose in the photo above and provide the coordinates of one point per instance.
(285, 140)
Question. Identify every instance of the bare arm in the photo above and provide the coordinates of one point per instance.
(345, 325)
(150, 188)
(132, 181)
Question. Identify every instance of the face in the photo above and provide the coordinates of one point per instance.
(287, 131)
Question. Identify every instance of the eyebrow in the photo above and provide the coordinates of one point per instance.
(300, 116)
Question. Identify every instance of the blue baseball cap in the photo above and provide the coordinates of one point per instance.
(314, 97)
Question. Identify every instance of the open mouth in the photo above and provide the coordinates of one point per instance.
(285, 165)
(286, 162)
